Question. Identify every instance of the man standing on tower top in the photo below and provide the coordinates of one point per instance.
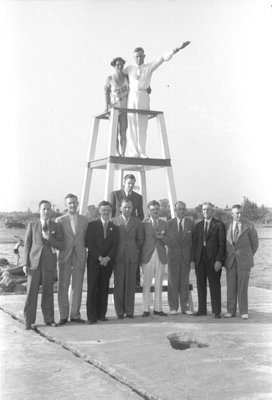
(139, 82)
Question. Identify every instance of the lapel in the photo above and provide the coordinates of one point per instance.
(244, 227)
(229, 233)
(38, 229)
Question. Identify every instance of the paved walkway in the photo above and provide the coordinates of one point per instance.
(236, 364)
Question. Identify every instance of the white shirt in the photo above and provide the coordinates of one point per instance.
(73, 222)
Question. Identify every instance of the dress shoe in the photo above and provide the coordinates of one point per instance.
(160, 313)
(129, 315)
(173, 312)
(217, 316)
(146, 314)
(228, 315)
(91, 322)
(199, 314)
(28, 327)
(120, 317)
(53, 324)
(244, 316)
(78, 320)
(104, 319)
(187, 312)
(62, 322)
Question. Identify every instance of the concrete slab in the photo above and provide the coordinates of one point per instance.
(236, 365)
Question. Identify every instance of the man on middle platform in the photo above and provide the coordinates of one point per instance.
(178, 238)
(153, 258)
(127, 193)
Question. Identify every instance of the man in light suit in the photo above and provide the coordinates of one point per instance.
(102, 242)
(208, 253)
(242, 244)
(71, 261)
(153, 258)
(127, 193)
(42, 238)
(178, 237)
(127, 259)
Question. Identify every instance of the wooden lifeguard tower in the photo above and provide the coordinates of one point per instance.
(112, 163)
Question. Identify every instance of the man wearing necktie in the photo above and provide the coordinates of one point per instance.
(153, 259)
(242, 244)
(178, 238)
(102, 242)
(71, 262)
(127, 259)
(208, 253)
(42, 238)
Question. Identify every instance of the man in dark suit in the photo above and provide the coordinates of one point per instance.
(242, 244)
(209, 244)
(42, 238)
(127, 259)
(178, 237)
(102, 242)
(127, 193)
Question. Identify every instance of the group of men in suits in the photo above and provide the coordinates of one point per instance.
(118, 242)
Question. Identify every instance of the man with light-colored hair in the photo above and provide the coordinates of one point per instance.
(242, 244)
(139, 82)
(178, 237)
(71, 262)
(209, 244)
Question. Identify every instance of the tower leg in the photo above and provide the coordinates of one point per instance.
(143, 189)
(88, 171)
(171, 189)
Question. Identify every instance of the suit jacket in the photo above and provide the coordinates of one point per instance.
(245, 247)
(131, 239)
(73, 241)
(215, 242)
(179, 249)
(136, 199)
(97, 245)
(151, 242)
(34, 244)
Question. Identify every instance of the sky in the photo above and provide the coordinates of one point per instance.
(215, 95)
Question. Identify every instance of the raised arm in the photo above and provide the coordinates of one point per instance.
(167, 56)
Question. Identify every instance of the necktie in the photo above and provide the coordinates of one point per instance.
(45, 226)
(236, 233)
(180, 230)
(105, 225)
(205, 233)
(155, 225)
